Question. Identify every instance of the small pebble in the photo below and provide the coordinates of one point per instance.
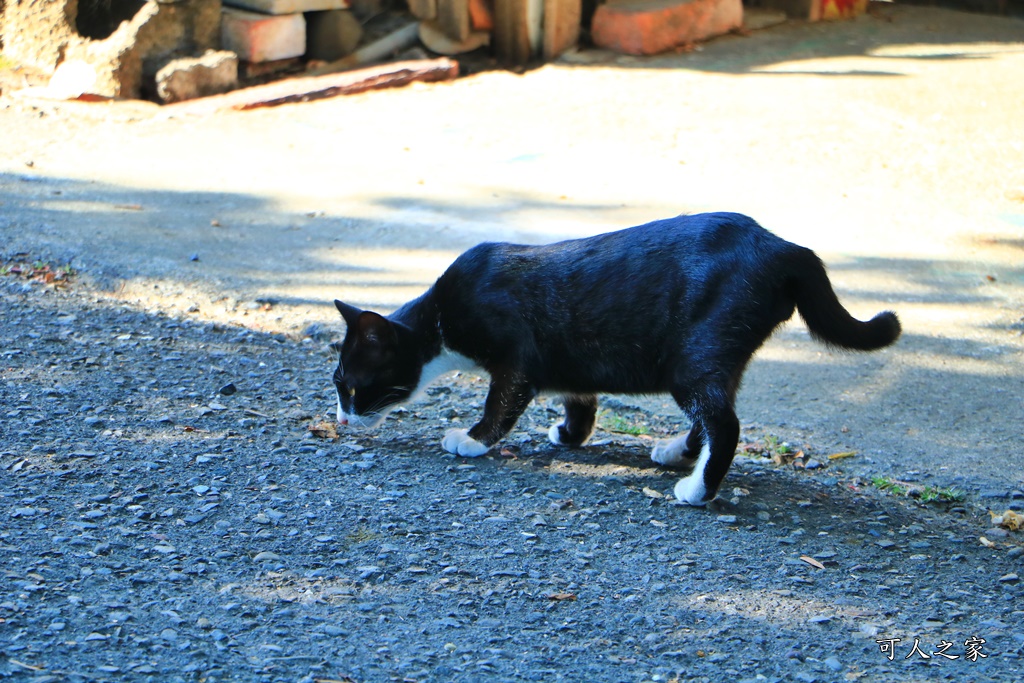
(266, 556)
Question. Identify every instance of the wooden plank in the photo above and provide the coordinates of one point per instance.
(453, 17)
(511, 31)
(561, 26)
(318, 87)
(288, 6)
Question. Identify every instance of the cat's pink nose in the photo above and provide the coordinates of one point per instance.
(343, 421)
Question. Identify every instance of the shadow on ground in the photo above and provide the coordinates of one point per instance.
(935, 407)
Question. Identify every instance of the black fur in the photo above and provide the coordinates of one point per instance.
(676, 306)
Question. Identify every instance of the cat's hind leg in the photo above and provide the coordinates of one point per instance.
(578, 425)
(506, 401)
(681, 452)
(719, 434)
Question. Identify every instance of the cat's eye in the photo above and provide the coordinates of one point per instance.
(352, 391)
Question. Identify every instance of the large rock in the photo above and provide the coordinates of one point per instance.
(123, 60)
(646, 27)
(191, 77)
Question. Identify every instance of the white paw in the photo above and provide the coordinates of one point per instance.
(690, 490)
(459, 442)
(556, 438)
(669, 452)
(553, 436)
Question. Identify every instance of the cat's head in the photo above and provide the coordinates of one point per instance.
(377, 367)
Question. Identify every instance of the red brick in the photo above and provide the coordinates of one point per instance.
(646, 27)
(263, 37)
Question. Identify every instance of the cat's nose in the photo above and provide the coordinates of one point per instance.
(343, 421)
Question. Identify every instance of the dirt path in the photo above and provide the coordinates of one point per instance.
(891, 145)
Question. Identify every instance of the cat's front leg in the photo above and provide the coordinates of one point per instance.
(459, 442)
(506, 401)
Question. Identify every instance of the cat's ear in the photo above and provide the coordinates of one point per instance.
(375, 330)
(349, 313)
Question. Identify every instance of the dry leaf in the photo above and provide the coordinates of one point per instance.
(985, 542)
(325, 430)
(811, 561)
(1008, 520)
(840, 456)
(562, 596)
(651, 493)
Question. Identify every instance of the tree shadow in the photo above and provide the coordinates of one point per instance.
(937, 404)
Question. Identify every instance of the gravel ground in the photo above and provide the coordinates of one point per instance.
(157, 525)
(168, 514)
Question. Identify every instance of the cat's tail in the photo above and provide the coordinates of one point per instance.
(827, 319)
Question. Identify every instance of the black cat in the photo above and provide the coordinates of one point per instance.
(675, 306)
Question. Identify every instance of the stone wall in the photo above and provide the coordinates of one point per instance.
(45, 34)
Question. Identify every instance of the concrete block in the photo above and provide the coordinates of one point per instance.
(561, 26)
(262, 37)
(332, 35)
(288, 6)
(646, 27)
(191, 77)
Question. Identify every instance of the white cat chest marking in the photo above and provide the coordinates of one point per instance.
(440, 365)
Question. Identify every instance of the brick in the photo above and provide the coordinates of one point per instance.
(288, 6)
(646, 27)
(261, 37)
